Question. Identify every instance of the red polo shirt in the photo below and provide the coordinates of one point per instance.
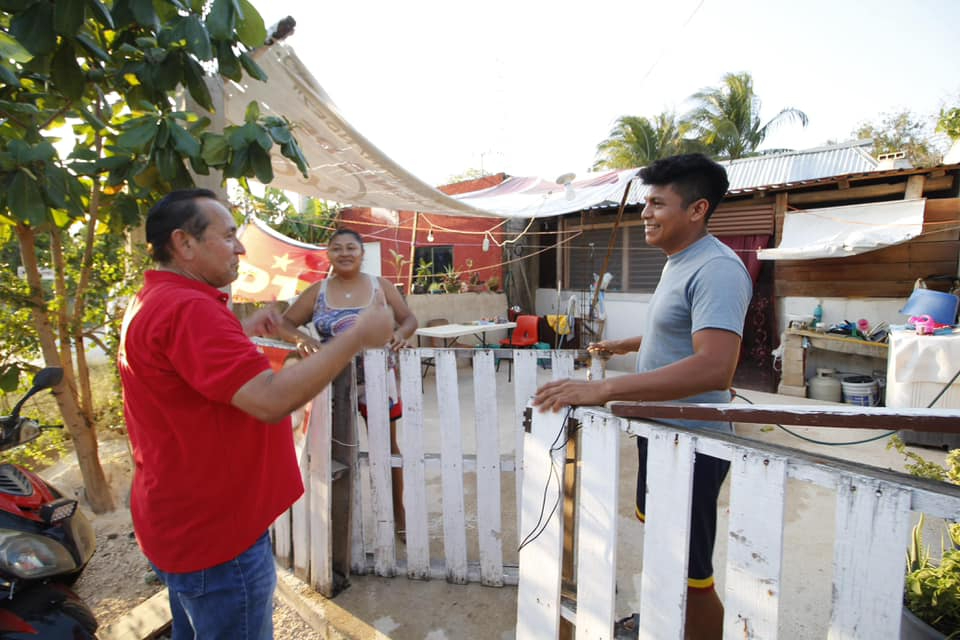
(209, 479)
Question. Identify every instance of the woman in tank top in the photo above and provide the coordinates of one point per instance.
(332, 306)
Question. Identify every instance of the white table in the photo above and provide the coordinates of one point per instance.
(450, 332)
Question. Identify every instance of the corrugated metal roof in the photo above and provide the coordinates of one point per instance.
(765, 172)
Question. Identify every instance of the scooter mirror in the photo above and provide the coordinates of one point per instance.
(46, 378)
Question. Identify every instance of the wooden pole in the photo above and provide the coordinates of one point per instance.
(413, 250)
(606, 258)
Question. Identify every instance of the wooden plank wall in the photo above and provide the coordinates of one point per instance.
(889, 272)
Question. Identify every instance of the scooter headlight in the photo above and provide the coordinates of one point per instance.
(30, 556)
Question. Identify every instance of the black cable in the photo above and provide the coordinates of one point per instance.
(556, 445)
(879, 437)
(832, 444)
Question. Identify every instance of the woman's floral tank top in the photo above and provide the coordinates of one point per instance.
(332, 321)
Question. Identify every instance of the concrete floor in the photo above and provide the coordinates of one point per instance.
(403, 609)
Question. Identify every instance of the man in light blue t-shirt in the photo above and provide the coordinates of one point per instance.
(690, 347)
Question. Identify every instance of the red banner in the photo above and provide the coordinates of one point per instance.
(275, 267)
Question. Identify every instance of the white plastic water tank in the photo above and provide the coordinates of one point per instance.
(918, 369)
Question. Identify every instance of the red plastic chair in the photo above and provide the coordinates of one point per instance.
(524, 336)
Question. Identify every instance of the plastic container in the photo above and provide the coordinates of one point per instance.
(817, 315)
(825, 386)
(862, 391)
(940, 306)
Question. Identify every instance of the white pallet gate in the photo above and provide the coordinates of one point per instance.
(871, 533)
(302, 537)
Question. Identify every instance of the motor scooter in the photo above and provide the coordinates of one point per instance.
(45, 542)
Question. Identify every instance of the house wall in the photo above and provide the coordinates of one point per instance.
(394, 230)
(889, 272)
(460, 308)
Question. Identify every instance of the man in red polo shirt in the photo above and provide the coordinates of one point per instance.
(208, 421)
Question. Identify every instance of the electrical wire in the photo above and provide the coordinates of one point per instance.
(945, 388)
(541, 525)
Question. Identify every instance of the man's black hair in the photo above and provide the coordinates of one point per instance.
(692, 175)
(176, 210)
(345, 231)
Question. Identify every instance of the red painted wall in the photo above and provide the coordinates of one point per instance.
(464, 233)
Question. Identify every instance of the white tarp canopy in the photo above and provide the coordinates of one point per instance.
(539, 198)
(836, 232)
(344, 166)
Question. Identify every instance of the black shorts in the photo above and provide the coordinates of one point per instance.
(708, 475)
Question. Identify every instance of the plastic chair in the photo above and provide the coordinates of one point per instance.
(524, 336)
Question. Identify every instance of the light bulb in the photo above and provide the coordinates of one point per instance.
(430, 236)
(486, 244)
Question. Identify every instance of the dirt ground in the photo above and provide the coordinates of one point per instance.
(118, 577)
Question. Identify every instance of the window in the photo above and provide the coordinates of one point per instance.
(635, 265)
(439, 256)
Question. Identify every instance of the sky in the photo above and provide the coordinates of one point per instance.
(530, 87)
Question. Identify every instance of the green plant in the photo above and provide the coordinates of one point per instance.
(450, 279)
(932, 587)
(949, 122)
(493, 284)
(932, 590)
(423, 276)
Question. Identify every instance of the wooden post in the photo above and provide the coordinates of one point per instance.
(568, 574)
(413, 251)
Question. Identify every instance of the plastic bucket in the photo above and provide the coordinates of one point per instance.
(862, 391)
(940, 306)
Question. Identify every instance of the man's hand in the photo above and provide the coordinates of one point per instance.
(262, 322)
(375, 323)
(607, 348)
(553, 396)
(307, 345)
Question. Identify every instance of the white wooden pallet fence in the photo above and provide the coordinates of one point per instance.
(873, 507)
(302, 539)
(873, 516)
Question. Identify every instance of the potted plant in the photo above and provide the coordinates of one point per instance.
(399, 262)
(473, 283)
(493, 284)
(450, 279)
(422, 276)
(932, 591)
(932, 588)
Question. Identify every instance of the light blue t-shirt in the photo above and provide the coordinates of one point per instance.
(705, 286)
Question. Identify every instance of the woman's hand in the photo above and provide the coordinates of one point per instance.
(397, 342)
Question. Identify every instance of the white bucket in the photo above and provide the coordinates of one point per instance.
(862, 391)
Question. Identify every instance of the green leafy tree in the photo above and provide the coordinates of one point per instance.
(313, 225)
(469, 174)
(114, 73)
(636, 141)
(726, 119)
(949, 122)
(902, 131)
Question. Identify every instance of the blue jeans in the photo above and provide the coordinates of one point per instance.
(231, 601)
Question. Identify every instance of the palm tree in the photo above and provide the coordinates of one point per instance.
(727, 118)
(636, 141)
